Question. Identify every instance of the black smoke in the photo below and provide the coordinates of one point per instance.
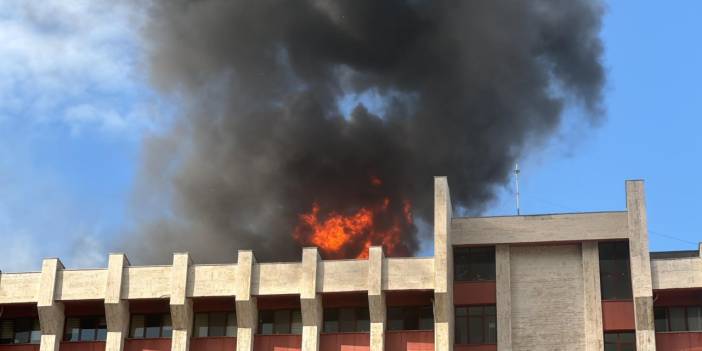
(459, 88)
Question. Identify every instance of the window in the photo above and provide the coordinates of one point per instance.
(474, 263)
(615, 279)
(214, 324)
(346, 320)
(410, 318)
(476, 325)
(279, 322)
(620, 341)
(85, 329)
(150, 326)
(678, 319)
(20, 331)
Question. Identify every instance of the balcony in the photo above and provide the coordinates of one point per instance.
(344, 342)
(280, 342)
(213, 343)
(409, 340)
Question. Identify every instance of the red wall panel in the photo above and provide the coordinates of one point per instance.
(82, 346)
(409, 298)
(618, 315)
(409, 340)
(678, 297)
(278, 343)
(147, 345)
(20, 347)
(224, 343)
(474, 293)
(492, 347)
(687, 341)
(344, 342)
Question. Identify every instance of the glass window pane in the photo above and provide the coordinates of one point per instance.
(201, 325)
(265, 322)
(395, 319)
(72, 329)
(475, 311)
(362, 320)
(610, 338)
(167, 328)
(101, 334)
(331, 320)
(282, 321)
(627, 337)
(677, 318)
(475, 330)
(347, 320)
(35, 335)
(218, 321)
(610, 347)
(491, 329)
(7, 331)
(87, 329)
(137, 326)
(426, 318)
(461, 329)
(661, 319)
(474, 263)
(694, 318)
(296, 327)
(23, 328)
(615, 280)
(410, 316)
(152, 324)
(231, 324)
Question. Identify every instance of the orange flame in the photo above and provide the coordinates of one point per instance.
(342, 236)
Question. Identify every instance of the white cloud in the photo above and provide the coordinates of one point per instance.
(74, 63)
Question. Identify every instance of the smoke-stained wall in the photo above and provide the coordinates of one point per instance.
(459, 89)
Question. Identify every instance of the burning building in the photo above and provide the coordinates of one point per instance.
(577, 281)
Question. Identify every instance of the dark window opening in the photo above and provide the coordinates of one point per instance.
(615, 277)
(474, 263)
(410, 318)
(476, 325)
(620, 341)
(85, 329)
(20, 331)
(150, 326)
(287, 321)
(346, 320)
(678, 319)
(214, 324)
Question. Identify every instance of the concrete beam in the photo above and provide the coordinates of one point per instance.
(594, 339)
(640, 265)
(116, 309)
(310, 301)
(181, 306)
(503, 297)
(246, 310)
(51, 312)
(376, 298)
(443, 266)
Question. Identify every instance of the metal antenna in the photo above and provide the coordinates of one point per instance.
(516, 184)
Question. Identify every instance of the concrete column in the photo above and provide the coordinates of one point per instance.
(181, 305)
(503, 297)
(640, 265)
(51, 316)
(443, 267)
(376, 298)
(246, 310)
(594, 338)
(310, 301)
(116, 309)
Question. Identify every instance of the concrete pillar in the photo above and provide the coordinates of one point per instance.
(246, 310)
(640, 266)
(503, 297)
(181, 305)
(310, 301)
(376, 298)
(594, 338)
(51, 316)
(116, 309)
(443, 267)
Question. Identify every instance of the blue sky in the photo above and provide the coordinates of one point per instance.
(75, 106)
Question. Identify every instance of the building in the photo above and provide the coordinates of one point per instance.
(581, 281)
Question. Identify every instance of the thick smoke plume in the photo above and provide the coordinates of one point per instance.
(456, 88)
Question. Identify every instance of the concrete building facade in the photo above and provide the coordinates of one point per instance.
(583, 281)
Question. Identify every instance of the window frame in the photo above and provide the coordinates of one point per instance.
(416, 310)
(227, 316)
(96, 325)
(160, 329)
(356, 320)
(484, 328)
(619, 343)
(290, 311)
(627, 272)
(686, 317)
(33, 321)
(470, 269)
